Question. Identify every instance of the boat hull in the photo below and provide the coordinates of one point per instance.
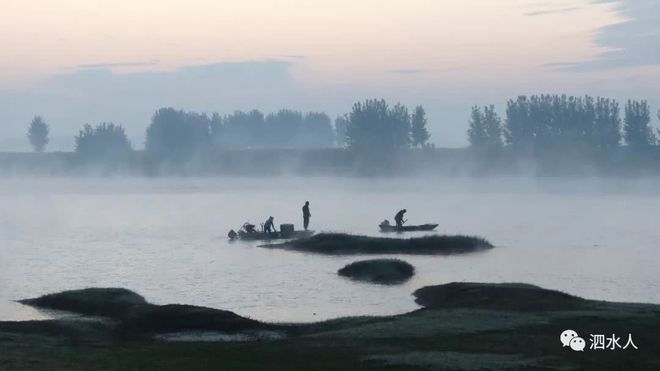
(266, 236)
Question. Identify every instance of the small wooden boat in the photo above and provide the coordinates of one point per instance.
(248, 232)
(267, 236)
(387, 227)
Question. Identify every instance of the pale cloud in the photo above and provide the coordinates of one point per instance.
(552, 11)
(119, 64)
(634, 41)
(409, 71)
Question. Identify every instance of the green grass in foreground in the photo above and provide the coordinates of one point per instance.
(468, 335)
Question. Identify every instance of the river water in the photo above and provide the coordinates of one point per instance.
(165, 238)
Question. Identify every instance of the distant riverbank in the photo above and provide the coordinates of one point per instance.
(336, 161)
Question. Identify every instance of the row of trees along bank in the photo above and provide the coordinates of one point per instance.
(554, 124)
(371, 128)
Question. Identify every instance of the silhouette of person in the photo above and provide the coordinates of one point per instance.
(306, 215)
(398, 218)
(269, 226)
(249, 227)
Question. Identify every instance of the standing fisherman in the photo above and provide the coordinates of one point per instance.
(306, 215)
(398, 218)
(269, 226)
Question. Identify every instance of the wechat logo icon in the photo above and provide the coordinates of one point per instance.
(570, 338)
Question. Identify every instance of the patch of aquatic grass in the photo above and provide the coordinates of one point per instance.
(175, 317)
(382, 271)
(135, 316)
(346, 244)
(109, 302)
(499, 296)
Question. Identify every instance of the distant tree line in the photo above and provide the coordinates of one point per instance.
(372, 128)
(178, 135)
(241, 130)
(556, 123)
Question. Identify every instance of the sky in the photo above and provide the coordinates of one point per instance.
(87, 61)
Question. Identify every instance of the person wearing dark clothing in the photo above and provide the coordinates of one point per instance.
(249, 228)
(306, 215)
(398, 218)
(269, 226)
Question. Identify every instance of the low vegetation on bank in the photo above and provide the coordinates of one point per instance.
(461, 326)
(347, 244)
(136, 317)
(497, 296)
(382, 271)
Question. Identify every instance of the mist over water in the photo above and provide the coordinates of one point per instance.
(165, 238)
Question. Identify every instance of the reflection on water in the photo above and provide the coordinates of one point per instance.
(165, 239)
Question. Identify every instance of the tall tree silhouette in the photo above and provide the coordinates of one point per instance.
(519, 129)
(419, 133)
(38, 134)
(559, 123)
(607, 126)
(243, 130)
(316, 131)
(485, 129)
(637, 125)
(175, 135)
(341, 127)
(105, 142)
(493, 127)
(281, 126)
(375, 128)
(476, 130)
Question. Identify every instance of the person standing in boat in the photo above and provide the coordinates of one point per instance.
(269, 226)
(306, 215)
(398, 218)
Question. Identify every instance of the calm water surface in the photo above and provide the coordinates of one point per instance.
(165, 239)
